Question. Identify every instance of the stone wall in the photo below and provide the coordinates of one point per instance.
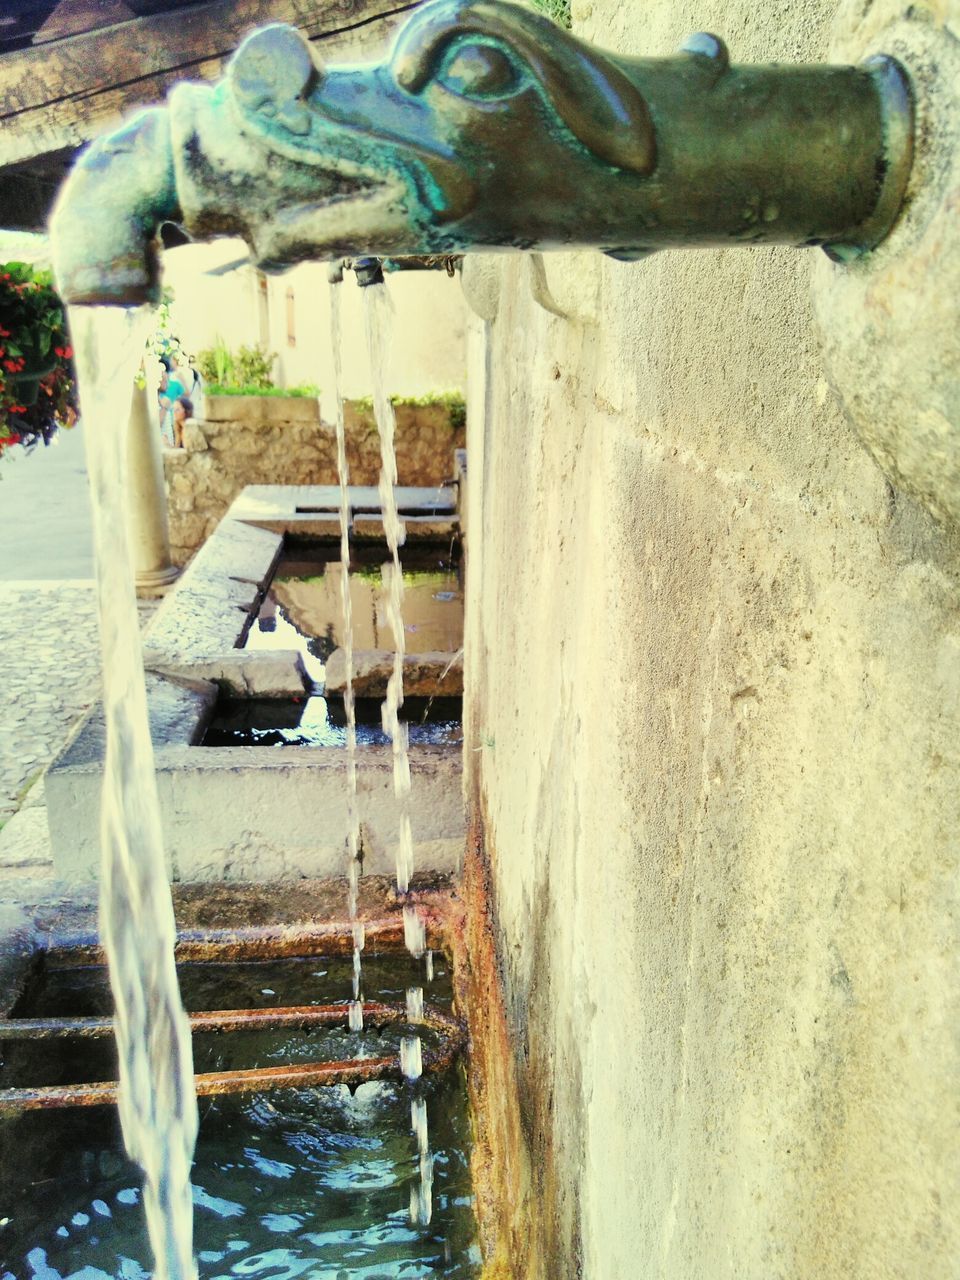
(713, 699)
(281, 440)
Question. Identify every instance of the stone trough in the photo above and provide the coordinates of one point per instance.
(258, 812)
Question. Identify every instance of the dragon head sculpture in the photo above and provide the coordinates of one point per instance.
(487, 126)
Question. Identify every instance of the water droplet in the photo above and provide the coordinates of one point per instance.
(411, 1058)
(414, 932)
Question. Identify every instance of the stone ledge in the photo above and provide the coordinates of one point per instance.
(208, 612)
(425, 675)
(247, 673)
(177, 716)
(269, 813)
(261, 410)
(371, 527)
(25, 841)
(275, 502)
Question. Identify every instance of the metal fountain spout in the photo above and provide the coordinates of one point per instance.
(488, 127)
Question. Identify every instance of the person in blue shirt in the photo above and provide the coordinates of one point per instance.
(180, 381)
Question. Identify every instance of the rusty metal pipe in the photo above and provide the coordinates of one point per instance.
(273, 941)
(305, 1075)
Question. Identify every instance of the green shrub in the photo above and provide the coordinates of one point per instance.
(558, 10)
(252, 389)
(246, 371)
(253, 367)
(452, 401)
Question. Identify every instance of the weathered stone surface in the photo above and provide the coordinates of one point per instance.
(371, 527)
(713, 692)
(24, 841)
(425, 443)
(246, 673)
(204, 616)
(48, 681)
(176, 712)
(267, 813)
(304, 526)
(258, 411)
(194, 440)
(892, 351)
(259, 500)
(266, 441)
(425, 675)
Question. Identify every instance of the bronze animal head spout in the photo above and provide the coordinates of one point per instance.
(489, 127)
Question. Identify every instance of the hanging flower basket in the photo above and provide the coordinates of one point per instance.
(36, 371)
(27, 383)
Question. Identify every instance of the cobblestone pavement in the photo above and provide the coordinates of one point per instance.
(49, 676)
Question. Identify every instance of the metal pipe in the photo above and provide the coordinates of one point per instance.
(368, 271)
(450, 1030)
(264, 942)
(488, 127)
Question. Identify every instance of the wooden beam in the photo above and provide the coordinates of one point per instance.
(68, 91)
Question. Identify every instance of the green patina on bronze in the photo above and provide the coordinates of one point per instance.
(489, 127)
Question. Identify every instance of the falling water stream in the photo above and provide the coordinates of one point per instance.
(157, 1102)
(377, 317)
(349, 701)
(158, 1109)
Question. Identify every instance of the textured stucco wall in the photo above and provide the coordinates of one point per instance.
(713, 676)
(283, 441)
(427, 349)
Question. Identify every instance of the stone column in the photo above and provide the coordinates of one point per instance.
(150, 535)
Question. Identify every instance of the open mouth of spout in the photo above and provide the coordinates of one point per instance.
(357, 213)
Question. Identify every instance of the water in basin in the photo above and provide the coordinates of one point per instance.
(311, 1182)
(302, 609)
(321, 722)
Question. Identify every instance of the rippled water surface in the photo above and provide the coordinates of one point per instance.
(321, 722)
(312, 1183)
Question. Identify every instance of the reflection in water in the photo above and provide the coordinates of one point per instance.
(303, 611)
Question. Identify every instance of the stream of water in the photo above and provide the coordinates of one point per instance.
(354, 853)
(377, 314)
(157, 1103)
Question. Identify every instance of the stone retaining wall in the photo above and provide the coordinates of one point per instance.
(281, 440)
